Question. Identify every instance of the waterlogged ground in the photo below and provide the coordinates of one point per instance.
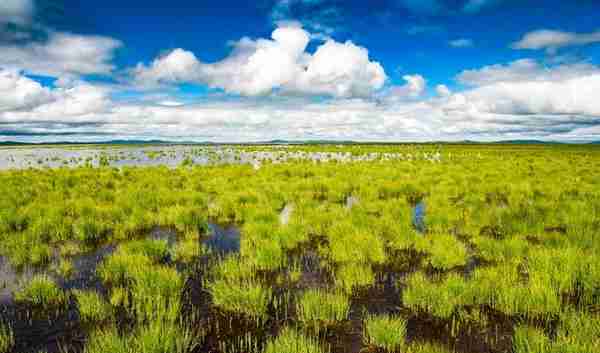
(173, 156)
(295, 249)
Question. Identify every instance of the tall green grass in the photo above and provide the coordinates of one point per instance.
(93, 309)
(320, 309)
(248, 298)
(385, 332)
(291, 341)
(7, 339)
(42, 292)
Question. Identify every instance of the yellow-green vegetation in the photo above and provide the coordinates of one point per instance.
(139, 282)
(386, 332)
(428, 348)
(246, 298)
(440, 298)
(291, 341)
(42, 292)
(511, 235)
(65, 268)
(7, 340)
(93, 309)
(155, 337)
(445, 251)
(318, 309)
(351, 276)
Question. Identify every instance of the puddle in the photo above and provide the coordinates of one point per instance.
(418, 217)
(222, 240)
(84, 276)
(10, 279)
(174, 155)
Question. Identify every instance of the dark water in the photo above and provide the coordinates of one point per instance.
(222, 239)
(419, 217)
(84, 275)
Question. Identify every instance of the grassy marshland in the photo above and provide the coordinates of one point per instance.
(328, 257)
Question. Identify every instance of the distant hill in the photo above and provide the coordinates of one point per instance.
(526, 142)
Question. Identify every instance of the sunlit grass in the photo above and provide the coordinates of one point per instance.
(386, 332)
(290, 341)
(7, 339)
(93, 309)
(318, 308)
(248, 298)
(42, 292)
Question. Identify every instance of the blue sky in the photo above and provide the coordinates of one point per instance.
(390, 70)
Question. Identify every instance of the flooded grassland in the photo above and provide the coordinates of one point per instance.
(283, 249)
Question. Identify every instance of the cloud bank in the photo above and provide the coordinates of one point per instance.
(522, 99)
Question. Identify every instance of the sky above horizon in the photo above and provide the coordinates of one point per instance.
(243, 71)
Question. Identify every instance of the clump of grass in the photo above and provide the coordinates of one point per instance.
(386, 332)
(26, 249)
(262, 247)
(145, 288)
(246, 343)
(41, 292)
(531, 340)
(65, 268)
(70, 249)
(351, 276)
(107, 340)
(188, 250)
(446, 252)
(234, 269)
(116, 270)
(427, 348)
(343, 239)
(317, 308)
(162, 337)
(156, 293)
(246, 297)
(7, 339)
(90, 231)
(440, 299)
(93, 309)
(156, 250)
(503, 250)
(290, 341)
(578, 332)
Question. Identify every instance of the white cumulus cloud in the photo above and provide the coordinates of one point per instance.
(262, 66)
(63, 54)
(19, 92)
(414, 88)
(526, 87)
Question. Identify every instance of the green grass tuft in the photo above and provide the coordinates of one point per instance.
(290, 341)
(42, 292)
(386, 332)
(317, 308)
